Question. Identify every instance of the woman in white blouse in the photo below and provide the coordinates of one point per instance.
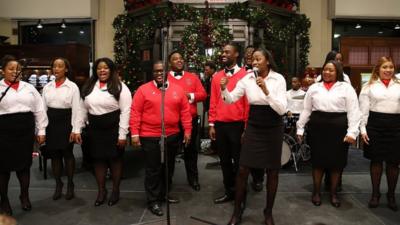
(332, 115)
(265, 90)
(380, 128)
(62, 100)
(107, 103)
(21, 113)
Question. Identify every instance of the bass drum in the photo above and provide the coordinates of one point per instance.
(286, 153)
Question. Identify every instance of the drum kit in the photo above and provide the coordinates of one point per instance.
(292, 150)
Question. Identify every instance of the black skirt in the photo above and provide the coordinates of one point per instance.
(58, 132)
(17, 135)
(383, 130)
(262, 146)
(325, 134)
(103, 136)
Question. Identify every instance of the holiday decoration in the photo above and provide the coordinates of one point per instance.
(207, 31)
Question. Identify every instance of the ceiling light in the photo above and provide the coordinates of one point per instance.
(336, 35)
(63, 25)
(60, 31)
(397, 27)
(358, 26)
(39, 24)
(81, 31)
(380, 32)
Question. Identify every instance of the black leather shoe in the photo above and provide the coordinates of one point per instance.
(114, 198)
(257, 186)
(195, 185)
(101, 198)
(172, 200)
(335, 202)
(25, 203)
(5, 207)
(223, 199)
(156, 210)
(58, 191)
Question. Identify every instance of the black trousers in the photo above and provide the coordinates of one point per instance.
(228, 137)
(190, 154)
(154, 181)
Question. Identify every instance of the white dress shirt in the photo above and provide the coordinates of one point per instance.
(346, 78)
(340, 98)
(25, 99)
(275, 84)
(66, 96)
(295, 105)
(100, 102)
(377, 97)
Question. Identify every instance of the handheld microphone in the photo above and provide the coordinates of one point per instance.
(255, 71)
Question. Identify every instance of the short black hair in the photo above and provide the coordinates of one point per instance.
(211, 65)
(173, 52)
(6, 59)
(235, 46)
(331, 56)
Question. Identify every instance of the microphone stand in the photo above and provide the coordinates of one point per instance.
(163, 147)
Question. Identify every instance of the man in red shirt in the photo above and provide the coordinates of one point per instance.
(227, 121)
(191, 85)
(145, 125)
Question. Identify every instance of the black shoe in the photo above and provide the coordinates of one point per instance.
(392, 202)
(5, 207)
(257, 186)
(172, 200)
(374, 201)
(335, 201)
(25, 203)
(58, 192)
(70, 192)
(101, 198)
(114, 198)
(156, 210)
(195, 185)
(316, 199)
(223, 199)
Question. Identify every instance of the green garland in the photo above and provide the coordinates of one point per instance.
(132, 31)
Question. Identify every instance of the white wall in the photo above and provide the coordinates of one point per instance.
(42, 9)
(108, 10)
(365, 9)
(320, 30)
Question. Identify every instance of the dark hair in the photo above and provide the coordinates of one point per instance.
(331, 56)
(158, 62)
(211, 65)
(6, 59)
(68, 73)
(235, 46)
(114, 85)
(249, 46)
(173, 52)
(268, 56)
(339, 70)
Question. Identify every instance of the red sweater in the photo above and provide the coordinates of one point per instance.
(224, 112)
(145, 119)
(190, 83)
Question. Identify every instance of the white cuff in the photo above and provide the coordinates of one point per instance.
(191, 100)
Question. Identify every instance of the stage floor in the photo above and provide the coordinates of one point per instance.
(292, 207)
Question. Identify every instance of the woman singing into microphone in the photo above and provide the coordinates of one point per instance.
(265, 90)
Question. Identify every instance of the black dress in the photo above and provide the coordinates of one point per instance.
(17, 135)
(263, 138)
(383, 130)
(325, 134)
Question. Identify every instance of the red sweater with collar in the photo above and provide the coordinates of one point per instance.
(224, 112)
(145, 118)
(190, 83)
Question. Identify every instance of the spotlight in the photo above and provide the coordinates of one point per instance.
(397, 27)
(39, 24)
(63, 25)
(60, 31)
(358, 26)
(336, 35)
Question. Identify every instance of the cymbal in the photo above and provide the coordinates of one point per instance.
(299, 97)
